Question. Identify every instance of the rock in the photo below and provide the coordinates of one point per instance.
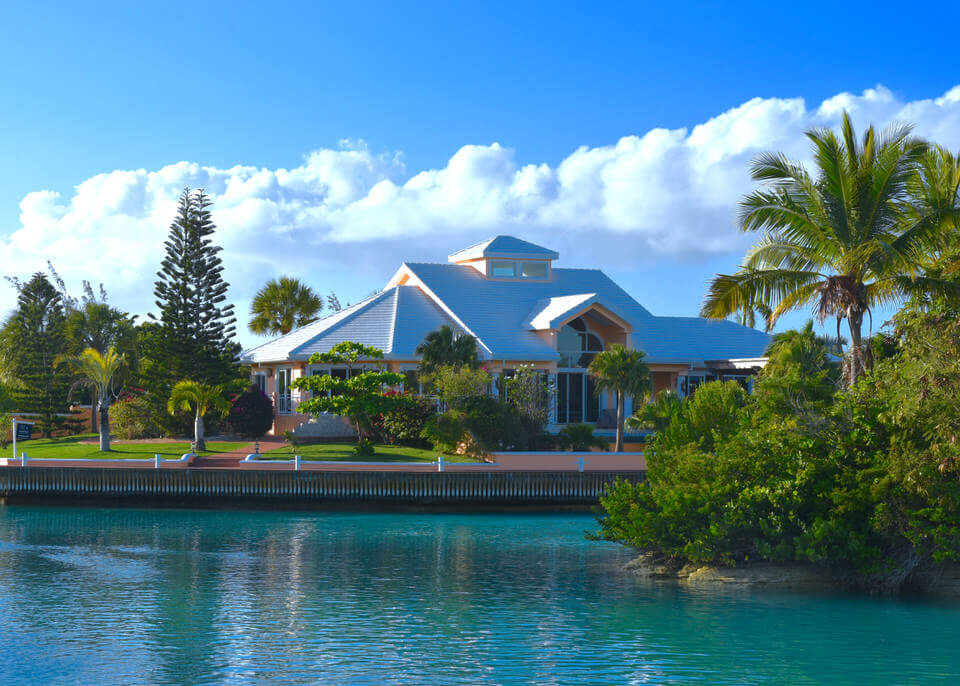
(794, 576)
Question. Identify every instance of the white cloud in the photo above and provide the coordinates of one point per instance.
(352, 214)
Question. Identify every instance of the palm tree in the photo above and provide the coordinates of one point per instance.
(622, 371)
(444, 347)
(282, 305)
(936, 189)
(655, 414)
(199, 398)
(96, 371)
(843, 242)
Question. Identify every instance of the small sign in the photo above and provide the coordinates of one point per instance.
(24, 431)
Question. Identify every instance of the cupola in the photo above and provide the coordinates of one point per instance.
(509, 259)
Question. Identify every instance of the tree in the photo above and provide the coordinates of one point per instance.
(199, 398)
(193, 335)
(362, 397)
(282, 305)
(97, 371)
(844, 241)
(445, 347)
(622, 371)
(31, 340)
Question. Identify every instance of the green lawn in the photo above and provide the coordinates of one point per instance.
(343, 452)
(69, 448)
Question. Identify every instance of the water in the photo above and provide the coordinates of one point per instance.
(122, 596)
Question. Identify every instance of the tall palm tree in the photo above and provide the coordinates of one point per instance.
(622, 371)
(198, 398)
(282, 305)
(843, 242)
(445, 347)
(96, 370)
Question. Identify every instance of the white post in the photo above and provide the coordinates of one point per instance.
(296, 462)
(580, 463)
(156, 460)
(439, 463)
(14, 438)
(23, 459)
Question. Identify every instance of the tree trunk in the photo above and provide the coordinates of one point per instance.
(620, 419)
(855, 321)
(104, 409)
(198, 440)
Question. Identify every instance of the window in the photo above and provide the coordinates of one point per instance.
(577, 345)
(260, 381)
(503, 270)
(533, 270)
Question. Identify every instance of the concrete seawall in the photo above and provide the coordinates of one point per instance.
(320, 488)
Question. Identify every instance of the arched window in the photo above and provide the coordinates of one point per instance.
(577, 345)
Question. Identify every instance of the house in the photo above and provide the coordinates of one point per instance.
(522, 310)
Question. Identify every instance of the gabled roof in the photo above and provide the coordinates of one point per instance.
(395, 321)
(504, 246)
(551, 313)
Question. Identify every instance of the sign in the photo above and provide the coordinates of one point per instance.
(24, 431)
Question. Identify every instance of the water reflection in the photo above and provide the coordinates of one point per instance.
(197, 597)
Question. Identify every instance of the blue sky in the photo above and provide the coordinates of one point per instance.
(89, 92)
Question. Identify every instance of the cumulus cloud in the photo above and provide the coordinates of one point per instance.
(350, 213)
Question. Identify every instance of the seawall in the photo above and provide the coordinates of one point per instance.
(538, 489)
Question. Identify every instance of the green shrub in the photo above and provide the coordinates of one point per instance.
(364, 448)
(133, 418)
(6, 430)
(580, 438)
(404, 424)
(445, 432)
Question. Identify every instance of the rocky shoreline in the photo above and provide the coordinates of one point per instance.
(928, 578)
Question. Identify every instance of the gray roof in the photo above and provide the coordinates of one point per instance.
(395, 320)
(504, 315)
(504, 246)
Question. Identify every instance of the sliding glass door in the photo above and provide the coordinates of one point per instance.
(577, 400)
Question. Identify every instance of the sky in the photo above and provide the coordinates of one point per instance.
(340, 139)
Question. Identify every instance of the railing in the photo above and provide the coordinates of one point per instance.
(426, 488)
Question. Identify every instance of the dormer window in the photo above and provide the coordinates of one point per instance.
(533, 270)
(503, 269)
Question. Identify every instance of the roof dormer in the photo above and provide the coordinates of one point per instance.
(509, 259)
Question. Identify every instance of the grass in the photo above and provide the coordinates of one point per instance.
(70, 448)
(343, 452)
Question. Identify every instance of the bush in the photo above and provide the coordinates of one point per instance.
(133, 418)
(864, 481)
(364, 448)
(251, 414)
(580, 438)
(445, 431)
(404, 425)
(6, 430)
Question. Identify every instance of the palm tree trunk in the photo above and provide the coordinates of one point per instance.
(620, 421)
(104, 409)
(198, 439)
(855, 321)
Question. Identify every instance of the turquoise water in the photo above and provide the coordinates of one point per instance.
(123, 596)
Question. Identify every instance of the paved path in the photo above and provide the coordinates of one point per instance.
(504, 462)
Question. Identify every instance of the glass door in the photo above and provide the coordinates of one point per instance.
(284, 396)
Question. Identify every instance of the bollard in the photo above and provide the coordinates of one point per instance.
(156, 460)
(23, 459)
(439, 463)
(296, 462)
